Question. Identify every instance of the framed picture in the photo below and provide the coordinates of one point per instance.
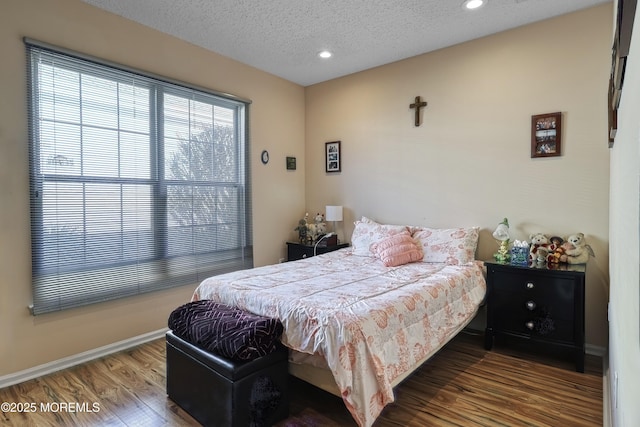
(291, 163)
(332, 156)
(619, 52)
(546, 135)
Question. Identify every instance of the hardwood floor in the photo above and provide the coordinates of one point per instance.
(463, 385)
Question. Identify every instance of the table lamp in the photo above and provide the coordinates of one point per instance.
(334, 214)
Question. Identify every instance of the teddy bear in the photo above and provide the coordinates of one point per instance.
(318, 228)
(576, 250)
(321, 226)
(540, 247)
(302, 230)
(558, 250)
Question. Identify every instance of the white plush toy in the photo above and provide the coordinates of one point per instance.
(539, 248)
(576, 250)
(318, 228)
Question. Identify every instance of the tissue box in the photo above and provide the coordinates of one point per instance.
(520, 255)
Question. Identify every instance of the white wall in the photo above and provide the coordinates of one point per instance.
(469, 162)
(624, 326)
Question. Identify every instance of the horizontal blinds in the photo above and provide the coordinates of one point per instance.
(137, 184)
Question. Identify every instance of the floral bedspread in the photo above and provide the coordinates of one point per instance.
(370, 322)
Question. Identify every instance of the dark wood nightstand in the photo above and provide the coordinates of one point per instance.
(298, 250)
(542, 305)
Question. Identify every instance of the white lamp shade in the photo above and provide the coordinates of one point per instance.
(333, 213)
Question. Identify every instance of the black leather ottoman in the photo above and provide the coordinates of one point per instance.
(220, 392)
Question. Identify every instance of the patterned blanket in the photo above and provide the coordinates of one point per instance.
(224, 330)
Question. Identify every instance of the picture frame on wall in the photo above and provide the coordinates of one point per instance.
(546, 135)
(626, 11)
(332, 156)
(291, 163)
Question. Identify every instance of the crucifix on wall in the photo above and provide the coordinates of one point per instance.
(418, 105)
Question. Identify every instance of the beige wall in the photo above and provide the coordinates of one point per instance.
(469, 162)
(276, 124)
(624, 326)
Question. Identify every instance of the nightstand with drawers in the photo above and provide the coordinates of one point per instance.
(542, 305)
(297, 251)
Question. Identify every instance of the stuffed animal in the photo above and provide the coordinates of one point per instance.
(318, 228)
(539, 248)
(302, 230)
(321, 226)
(576, 250)
(557, 252)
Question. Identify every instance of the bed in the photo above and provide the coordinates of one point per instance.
(359, 320)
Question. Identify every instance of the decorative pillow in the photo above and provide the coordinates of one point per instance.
(224, 330)
(367, 232)
(453, 246)
(397, 250)
(368, 220)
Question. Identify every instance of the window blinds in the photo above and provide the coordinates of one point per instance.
(137, 183)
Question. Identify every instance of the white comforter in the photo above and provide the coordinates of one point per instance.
(370, 322)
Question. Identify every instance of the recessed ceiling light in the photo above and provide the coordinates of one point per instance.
(473, 4)
(325, 54)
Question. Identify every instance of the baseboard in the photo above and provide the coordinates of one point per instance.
(607, 413)
(595, 350)
(76, 359)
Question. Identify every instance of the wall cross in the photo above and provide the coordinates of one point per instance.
(418, 105)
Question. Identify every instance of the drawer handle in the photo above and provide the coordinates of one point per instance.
(531, 305)
(530, 285)
(529, 325)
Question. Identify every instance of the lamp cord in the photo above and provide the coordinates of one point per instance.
(315, 247)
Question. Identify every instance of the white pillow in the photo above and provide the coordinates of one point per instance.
(453, 246)
(367, 232)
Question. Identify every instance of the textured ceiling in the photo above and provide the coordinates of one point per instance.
(283, 37)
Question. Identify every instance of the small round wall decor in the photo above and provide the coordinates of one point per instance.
(264, 157)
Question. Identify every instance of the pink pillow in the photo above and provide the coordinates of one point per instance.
(367, 232)
(396, 250)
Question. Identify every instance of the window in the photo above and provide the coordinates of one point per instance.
(137, 183)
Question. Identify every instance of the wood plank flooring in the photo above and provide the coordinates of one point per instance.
(463, 385)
